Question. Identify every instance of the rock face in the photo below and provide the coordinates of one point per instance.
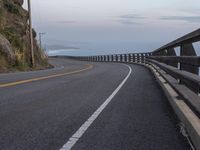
(6, 49)
(15, 40)
(19, 2)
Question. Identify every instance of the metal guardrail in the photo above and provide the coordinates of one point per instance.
(181, 72)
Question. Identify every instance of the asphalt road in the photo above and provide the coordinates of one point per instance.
(42, 110)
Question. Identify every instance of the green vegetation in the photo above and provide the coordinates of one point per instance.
(11, 7)
(15, 39)
(21, 65)
(1, 12)
(14, 28)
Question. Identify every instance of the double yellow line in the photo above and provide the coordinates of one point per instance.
(45, 77)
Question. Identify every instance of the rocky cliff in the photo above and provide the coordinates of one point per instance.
(14, 38)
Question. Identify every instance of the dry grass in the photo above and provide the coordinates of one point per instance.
(3, 64)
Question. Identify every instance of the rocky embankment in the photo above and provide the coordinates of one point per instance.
(14, 39)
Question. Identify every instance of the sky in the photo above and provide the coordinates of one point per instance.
(96, 27)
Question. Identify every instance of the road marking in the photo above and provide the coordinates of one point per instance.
(43, 78)
(78, 134)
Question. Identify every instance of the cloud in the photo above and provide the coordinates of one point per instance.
(191, 19)
(128, 22)
(131, 16)
(61, 47)
(192, 11)
(130, 19)
(66, 22)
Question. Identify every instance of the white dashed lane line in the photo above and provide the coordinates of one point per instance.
(78, 134)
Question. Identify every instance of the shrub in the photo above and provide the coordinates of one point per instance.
(11, 34)
(11, 7)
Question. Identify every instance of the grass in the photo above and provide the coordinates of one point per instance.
(11, 34)
(22, 66)
(3, 63)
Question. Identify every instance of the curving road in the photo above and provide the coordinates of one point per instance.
(86, 106)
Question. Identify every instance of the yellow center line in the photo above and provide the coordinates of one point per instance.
(45, 77)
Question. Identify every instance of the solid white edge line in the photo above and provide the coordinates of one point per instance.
(77, 135)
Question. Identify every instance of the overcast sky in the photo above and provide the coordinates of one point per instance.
(113, 26)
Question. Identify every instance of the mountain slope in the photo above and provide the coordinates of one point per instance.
(14, 39)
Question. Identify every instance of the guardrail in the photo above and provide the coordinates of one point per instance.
(180, 71)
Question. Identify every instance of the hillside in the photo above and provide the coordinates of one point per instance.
(14, 39)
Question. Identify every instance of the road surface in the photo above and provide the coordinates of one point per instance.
(86, 106)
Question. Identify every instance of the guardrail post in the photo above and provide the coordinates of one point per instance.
(138, 58)
(133, 60)
(171, 52)
(188, 50)
(125, 58)
(129, 57)
(120, 58)
(142, 57)
(145, 56)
